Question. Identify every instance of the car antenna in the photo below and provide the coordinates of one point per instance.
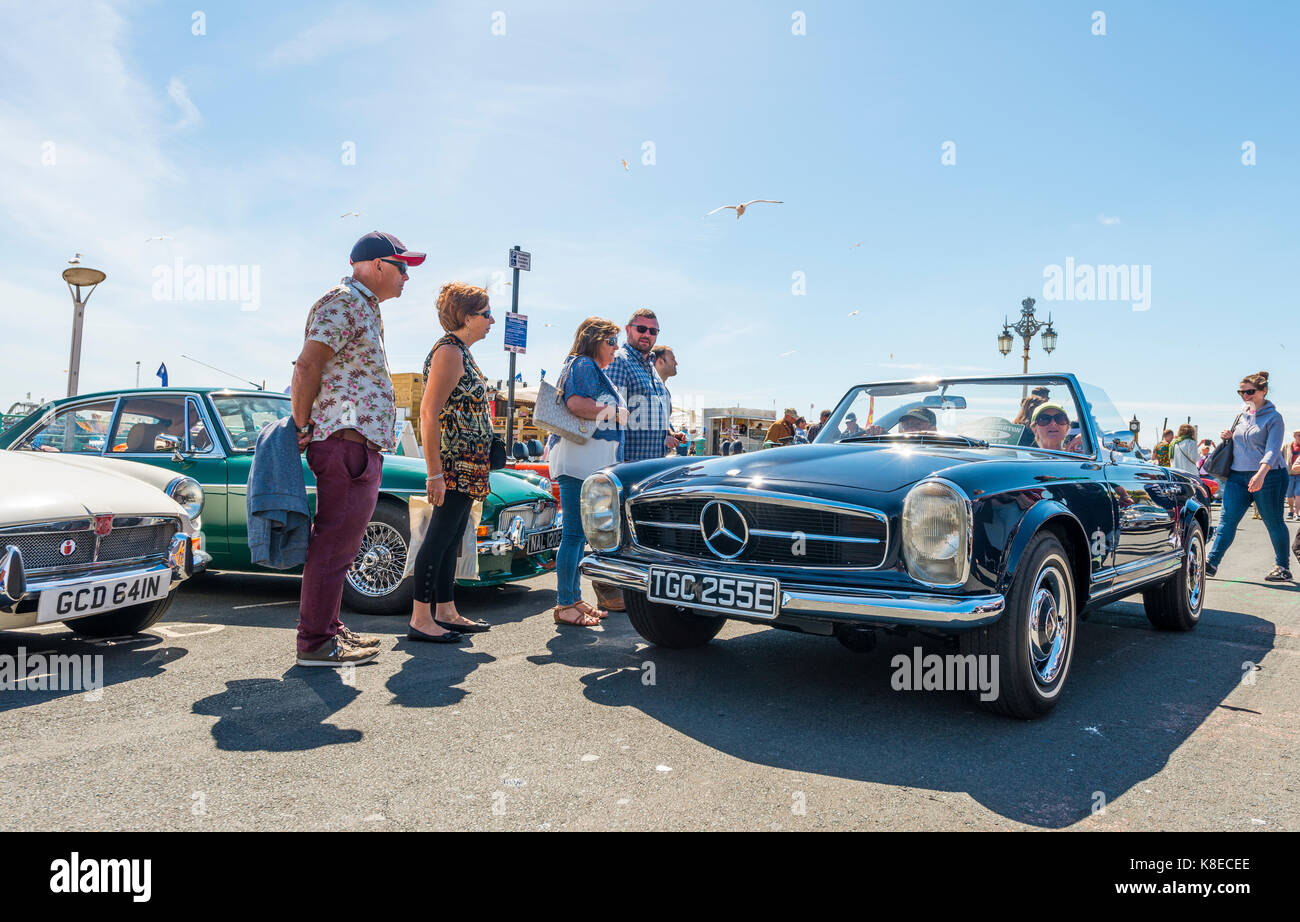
(260, 387)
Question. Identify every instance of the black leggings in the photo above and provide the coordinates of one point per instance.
(435, 564)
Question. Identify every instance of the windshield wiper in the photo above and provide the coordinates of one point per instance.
(918, 437)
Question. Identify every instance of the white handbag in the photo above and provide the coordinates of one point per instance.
(551, 414)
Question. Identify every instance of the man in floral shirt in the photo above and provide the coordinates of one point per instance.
(344, 412)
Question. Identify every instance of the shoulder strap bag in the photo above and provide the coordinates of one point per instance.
(551, 414)
(1218, 463)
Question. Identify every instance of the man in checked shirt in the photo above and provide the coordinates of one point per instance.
(648, 433)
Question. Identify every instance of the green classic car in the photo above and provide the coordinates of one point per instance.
(209, 434)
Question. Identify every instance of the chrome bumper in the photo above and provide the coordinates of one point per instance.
(16, 588)
(869, 606)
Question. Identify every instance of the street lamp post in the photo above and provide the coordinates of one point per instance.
(78, 276)
(1026, 327)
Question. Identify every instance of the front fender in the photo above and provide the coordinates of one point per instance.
(1038, 515)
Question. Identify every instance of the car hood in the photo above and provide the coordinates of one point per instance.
(878, 467)
(55, 488)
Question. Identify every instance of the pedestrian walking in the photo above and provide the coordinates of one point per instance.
(1258, 475)
(343, 409)
(588, 393)
(457, 431)
(1292, 455)
(1182, 452)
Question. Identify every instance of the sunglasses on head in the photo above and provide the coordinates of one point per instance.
(401, 266)
(1046, 419)
(642, 328)
(1247, 392)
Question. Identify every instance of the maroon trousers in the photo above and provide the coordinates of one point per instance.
(347, 486)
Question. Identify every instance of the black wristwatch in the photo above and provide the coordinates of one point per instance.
(303, 430)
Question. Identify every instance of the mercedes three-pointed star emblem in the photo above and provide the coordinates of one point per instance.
(724, 527)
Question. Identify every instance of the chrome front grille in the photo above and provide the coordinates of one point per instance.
(783, 531)
(532, 520)
(134, 538)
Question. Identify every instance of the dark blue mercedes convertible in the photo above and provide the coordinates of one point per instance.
(999, 510)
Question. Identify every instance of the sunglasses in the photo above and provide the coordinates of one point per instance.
(641, 328)
(1247, 392)
(401, 266)
(612, 341)
(1046, 419)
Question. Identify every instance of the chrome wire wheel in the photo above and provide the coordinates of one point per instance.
(377, 569)
(1195, 571)
(1050, 625)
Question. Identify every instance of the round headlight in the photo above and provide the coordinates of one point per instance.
(188, 494)
(936, 534)
(599, 507)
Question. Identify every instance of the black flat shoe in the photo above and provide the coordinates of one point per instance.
(449, 637)
(474, 627)
(1211, 569)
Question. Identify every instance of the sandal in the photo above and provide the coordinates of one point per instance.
(588, 610)
(584, 619)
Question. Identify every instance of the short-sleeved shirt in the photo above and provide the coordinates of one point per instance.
(464, 427)
(1161, 453)
(647, 426)
(356, 391)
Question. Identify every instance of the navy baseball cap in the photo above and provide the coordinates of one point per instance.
(376, 245)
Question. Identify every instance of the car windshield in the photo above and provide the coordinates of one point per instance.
(1038, 412)
(244, 415)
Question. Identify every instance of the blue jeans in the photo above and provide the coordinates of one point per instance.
(1237, 499)
(572, 543)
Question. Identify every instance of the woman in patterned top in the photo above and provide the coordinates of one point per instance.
(457, 446)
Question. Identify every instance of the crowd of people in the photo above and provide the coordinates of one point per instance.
(344, 416)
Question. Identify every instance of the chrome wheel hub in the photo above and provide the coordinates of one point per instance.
(1049, 626)
(377, 569)
(1195, 572)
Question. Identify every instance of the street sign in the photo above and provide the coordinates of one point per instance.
(516, 333)
(521, 260)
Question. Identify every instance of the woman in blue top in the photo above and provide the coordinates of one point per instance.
(1258, 475)
(590, 395)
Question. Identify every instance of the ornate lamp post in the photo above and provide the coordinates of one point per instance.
(78, 276)
(1026, 327)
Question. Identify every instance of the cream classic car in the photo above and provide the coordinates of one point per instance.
(97, 544)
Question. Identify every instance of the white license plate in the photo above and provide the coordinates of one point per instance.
(540, 541)
(91, 598)
(756, 596)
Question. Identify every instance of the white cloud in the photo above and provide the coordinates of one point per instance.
(345, 28)
(181, 96)
(1103, 219)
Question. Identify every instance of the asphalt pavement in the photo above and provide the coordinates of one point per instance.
(205, 723)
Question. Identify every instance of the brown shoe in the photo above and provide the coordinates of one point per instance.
(337, 652)
(608, 597)
(359, 640)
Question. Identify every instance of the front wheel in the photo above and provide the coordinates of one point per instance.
(668, 625)
(1033, 641)
(374, 584)
(1175, 604)
(123, 621)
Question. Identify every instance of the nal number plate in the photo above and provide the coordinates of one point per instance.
(755, 596)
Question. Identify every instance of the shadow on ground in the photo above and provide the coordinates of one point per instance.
(807, 704)
(67, 662)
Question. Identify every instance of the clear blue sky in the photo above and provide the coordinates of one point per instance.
(1107, 149)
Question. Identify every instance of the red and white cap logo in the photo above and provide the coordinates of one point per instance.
(103, 524)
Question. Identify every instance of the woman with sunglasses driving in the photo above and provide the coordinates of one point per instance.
(588, 394)
(1258, 475)
(1051, 427)
(457, 453)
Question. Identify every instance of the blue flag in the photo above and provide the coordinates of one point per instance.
(543, 374)
(162, 373)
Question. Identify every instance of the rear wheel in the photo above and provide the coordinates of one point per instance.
(1034, 639)
(1175, 604)
(123, 621)
(374, 584)
(668, 625)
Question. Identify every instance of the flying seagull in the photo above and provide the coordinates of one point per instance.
(625, 166)
(740, 209)
(854, 313)
(351, 214)
(159, 237)
(856, 245)
(791, 352)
